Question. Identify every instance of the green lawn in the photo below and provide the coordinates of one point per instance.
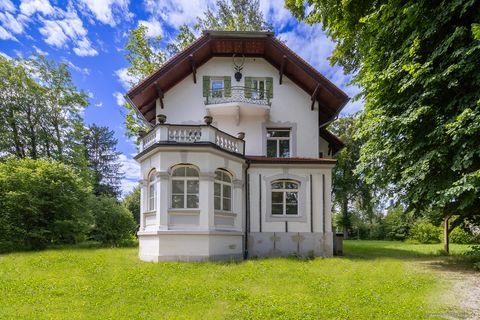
(374, 280)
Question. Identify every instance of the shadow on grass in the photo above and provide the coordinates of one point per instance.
(87, 245)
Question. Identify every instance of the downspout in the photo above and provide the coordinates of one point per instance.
(247, 210)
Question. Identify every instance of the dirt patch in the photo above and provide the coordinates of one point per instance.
(462, 284)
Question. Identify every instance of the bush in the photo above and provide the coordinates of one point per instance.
(42, 202)
(460, 236)
(132, 203)
(397, 224)
(424, 232)
(114, 224)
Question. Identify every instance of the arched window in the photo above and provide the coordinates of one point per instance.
(185, 187)
(152, 191)
(285, 197)
(223, 191)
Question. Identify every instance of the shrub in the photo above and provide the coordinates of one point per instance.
(132, 203)
(397, 224)
(460, 236)
(424, 232)
(114, 224)
(41, 202)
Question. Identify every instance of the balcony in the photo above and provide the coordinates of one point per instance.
(238, 102)
(172, 134)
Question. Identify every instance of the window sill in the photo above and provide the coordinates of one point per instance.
(180, 211)
(150, 212)
(298, 218)
(225, 213)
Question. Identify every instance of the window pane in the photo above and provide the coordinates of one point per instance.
(226, 177)
(177, 201)
(152, 177)
(277, 209)
(217, 202)
(291, 197)
(292, 209)
(177, 186)
(192, 201)
(151, 205)
(179, 172)
(278, 133)
(218, 175)
(227, 204)
(277, 197)
(192, 186)
(227, 191)
(217, 84)
(192, 172)
(216, 189)
(284, 146)
(271, 148)
(291, 185)
(277, 185)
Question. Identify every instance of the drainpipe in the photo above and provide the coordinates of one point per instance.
(247, 210)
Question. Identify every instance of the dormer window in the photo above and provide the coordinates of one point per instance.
(278, 143)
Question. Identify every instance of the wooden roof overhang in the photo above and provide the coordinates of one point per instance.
(334, 143)
(249, 44)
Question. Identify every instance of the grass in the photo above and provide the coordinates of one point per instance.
(374, 280)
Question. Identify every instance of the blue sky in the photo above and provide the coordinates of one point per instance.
(89, 35)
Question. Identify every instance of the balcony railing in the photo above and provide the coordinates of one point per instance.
(238, 94)
(191, 134)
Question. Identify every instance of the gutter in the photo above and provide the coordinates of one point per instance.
(247, 210)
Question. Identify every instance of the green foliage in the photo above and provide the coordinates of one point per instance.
(69, 283)
(132, 203)
(424, 232)
(184, 38)
(417, 64)
(114, 224)
(461, 236)
(397, 223)
(42, 202)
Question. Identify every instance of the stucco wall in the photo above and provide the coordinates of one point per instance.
(184, 104)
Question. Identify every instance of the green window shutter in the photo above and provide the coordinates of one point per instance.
(269, 81)
(248, 87)
(206, 86)
(227, 84)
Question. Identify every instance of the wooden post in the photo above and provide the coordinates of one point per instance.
(446, 242)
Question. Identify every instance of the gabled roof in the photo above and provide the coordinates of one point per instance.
(249, 44)
(333, 141)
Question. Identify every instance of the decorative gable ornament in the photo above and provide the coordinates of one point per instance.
(238, 68)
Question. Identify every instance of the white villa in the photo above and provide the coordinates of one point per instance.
(237, 163)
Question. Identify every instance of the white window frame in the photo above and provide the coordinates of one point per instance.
(223, 183)
(185, 193)
(284, 191)
(152, 191)
(256, 91)
(278, 139)
(219, 94)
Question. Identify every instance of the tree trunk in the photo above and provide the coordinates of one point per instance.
(446, 240)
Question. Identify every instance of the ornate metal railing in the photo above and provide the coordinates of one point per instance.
(238, 94)
(191, 134)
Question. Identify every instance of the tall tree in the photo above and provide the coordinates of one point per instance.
(103, 160)
(351, 192)
(417, 65)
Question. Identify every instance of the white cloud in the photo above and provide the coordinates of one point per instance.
(14, 24)
(275, 13)
(7, 5)
(124, 78)
(108, 11)
(84, 48)
(132, 173)
(69, 28)
(177, 12)
(30, 7)
(98, 104)
(6, 56)
(5, 35)
(119, 97)
(154, 27)
(40, 51)
(83, 71)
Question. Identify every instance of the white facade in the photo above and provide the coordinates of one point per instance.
(277, 205)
